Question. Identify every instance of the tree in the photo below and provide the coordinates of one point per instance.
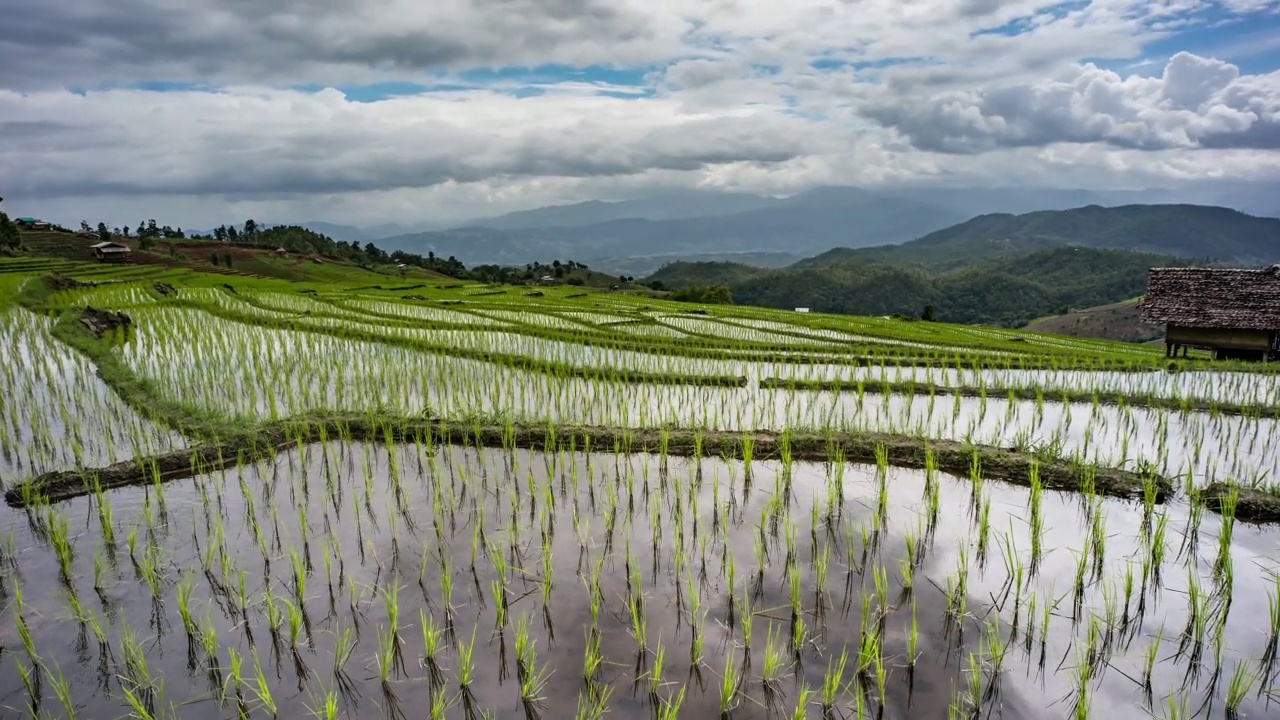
(9, 235)
(145, 241)
(220, 233)
(374, 253)
(711, 294)
(233, 235)
(927, 315)
(104, 235)
(250, 230)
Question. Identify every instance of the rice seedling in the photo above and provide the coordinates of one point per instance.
(730, 684)
(773, 665)
(262, 689)
(1239, 686)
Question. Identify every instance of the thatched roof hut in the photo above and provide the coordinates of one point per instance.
(1224, 310)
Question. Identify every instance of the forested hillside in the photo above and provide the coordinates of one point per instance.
(1008, 291)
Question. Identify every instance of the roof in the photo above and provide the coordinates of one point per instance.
(1214, 298)
(28, 219)
(109, 246)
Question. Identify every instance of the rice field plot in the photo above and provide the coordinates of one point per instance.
(435, 566)
(598, 318)
(828, 335)
(646, 329)
(265, 374)
(303, 305)
(433, 579)
(56, 414)
(536, 318)
(715, 328)
(219, 298)
(1193, 386)
(115, 296)
(421, 312)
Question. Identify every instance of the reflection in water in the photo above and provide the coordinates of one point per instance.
(405, 579)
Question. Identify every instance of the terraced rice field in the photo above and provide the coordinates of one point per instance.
(266, 500)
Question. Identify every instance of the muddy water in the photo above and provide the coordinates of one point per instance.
(345, 496)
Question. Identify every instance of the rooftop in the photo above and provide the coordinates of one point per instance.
(1214, 298)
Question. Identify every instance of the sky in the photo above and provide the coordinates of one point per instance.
(198, 112)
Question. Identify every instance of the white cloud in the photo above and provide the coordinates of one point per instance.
(738, 94)
(1197, 102)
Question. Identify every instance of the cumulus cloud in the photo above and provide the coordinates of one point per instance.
(273, 141)
(54, 43)
(737, 94)
(1196, 102)
(57, 41)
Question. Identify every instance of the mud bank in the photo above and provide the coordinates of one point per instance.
(994, 463)
(1252, 505)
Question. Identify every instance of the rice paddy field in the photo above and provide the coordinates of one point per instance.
(264, 499)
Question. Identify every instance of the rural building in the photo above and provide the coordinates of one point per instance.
(1233, 313)
(110, 252)
(30, 223)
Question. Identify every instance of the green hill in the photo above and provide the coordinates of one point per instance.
(1003, 269)
(1118, 321)
(1007, 290)
(1189, 231)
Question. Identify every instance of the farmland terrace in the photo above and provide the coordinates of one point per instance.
(278, 496)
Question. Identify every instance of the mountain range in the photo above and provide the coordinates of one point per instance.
(637, 236)
(1002, 268)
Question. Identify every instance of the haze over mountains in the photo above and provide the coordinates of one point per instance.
(637, 236)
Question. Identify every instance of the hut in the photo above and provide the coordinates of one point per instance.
(30, 223)
(110, 252)
(1234, 313)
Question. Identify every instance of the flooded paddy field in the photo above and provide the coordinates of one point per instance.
(415, 576)
(627, 582)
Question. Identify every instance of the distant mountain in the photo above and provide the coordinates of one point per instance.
(351, 233)
(1190, 231)
(662, 206)
(1002, 268)
(805, 223)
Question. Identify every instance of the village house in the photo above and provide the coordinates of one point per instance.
(110, 252)
(1233, 313)
(30, 223)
